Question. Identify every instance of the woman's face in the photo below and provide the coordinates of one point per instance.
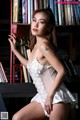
(39, 24)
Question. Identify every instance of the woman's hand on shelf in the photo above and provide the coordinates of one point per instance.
(12, 40)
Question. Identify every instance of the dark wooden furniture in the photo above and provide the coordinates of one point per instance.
(17, 89)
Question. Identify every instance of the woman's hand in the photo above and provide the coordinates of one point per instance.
(12, 40)
(48, 104)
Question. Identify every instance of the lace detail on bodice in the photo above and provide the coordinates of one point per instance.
(35, 69)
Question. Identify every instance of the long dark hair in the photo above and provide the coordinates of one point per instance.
(51, 32)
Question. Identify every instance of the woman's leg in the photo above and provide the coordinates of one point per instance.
(32, 111)
(60, 111)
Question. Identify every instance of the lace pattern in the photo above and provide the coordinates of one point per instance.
(35, 70)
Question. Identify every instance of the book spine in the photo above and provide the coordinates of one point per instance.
(41, 4)
(19, 11)
(76, 14)
(52, 5)
(69, 13)
(72, 16)
(59, 12)
(32, 8)
(29, 11)
(66, 13)
(36, 4)
(24, 11)
(56, 13)
(15, 11)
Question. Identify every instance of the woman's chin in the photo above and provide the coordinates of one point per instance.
(34, 34)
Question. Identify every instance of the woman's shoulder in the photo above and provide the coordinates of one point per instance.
(44, 44)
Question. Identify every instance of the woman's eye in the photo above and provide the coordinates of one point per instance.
(42, 22)
(34, 20)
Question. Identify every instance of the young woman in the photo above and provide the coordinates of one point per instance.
(53, 98)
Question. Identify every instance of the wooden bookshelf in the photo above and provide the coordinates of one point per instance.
(67, 36)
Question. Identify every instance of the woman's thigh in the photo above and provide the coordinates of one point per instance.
(60, 111)
(32, 111)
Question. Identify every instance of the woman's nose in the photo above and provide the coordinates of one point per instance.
(36, 24)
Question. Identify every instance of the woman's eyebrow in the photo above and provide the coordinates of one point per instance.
(41, 19)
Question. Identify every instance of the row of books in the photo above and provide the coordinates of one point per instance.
(21, 74)
(65, 12)
(23, 9)
(26, 53)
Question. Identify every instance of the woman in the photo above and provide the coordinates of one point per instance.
(53, 99)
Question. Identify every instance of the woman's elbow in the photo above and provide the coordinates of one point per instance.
(62, 71)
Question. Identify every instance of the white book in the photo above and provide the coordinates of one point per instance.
(3, 77)
(36, 3)
(59, 12)
(29, 11)
(72, 16)
(69, 13)
(32, 9)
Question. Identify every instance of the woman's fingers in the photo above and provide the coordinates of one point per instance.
(12, 38)
(13, 35)
(48, 109)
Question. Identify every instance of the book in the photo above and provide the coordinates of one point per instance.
(29, 11)
(24, 11)
(19, 11)
(69, 13)
(76, 14)
(36, 4)
(56, 13)
(46, 3)
(32, 9)
(15, 11)
(52, 5)
(41, 4)
(59, 12)
(72, 16)
(28, 53)
(65, 13)
(3, 77)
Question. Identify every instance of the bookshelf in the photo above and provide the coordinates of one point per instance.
(67, 28)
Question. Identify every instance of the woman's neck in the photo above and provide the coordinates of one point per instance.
(39, 40)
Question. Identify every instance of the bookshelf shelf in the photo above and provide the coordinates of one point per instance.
(23, 24)
(17, 90)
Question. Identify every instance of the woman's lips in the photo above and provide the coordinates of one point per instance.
(35, 30)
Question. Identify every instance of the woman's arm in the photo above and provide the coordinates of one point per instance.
(51, 57)
(56, 64)
(15, 51)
